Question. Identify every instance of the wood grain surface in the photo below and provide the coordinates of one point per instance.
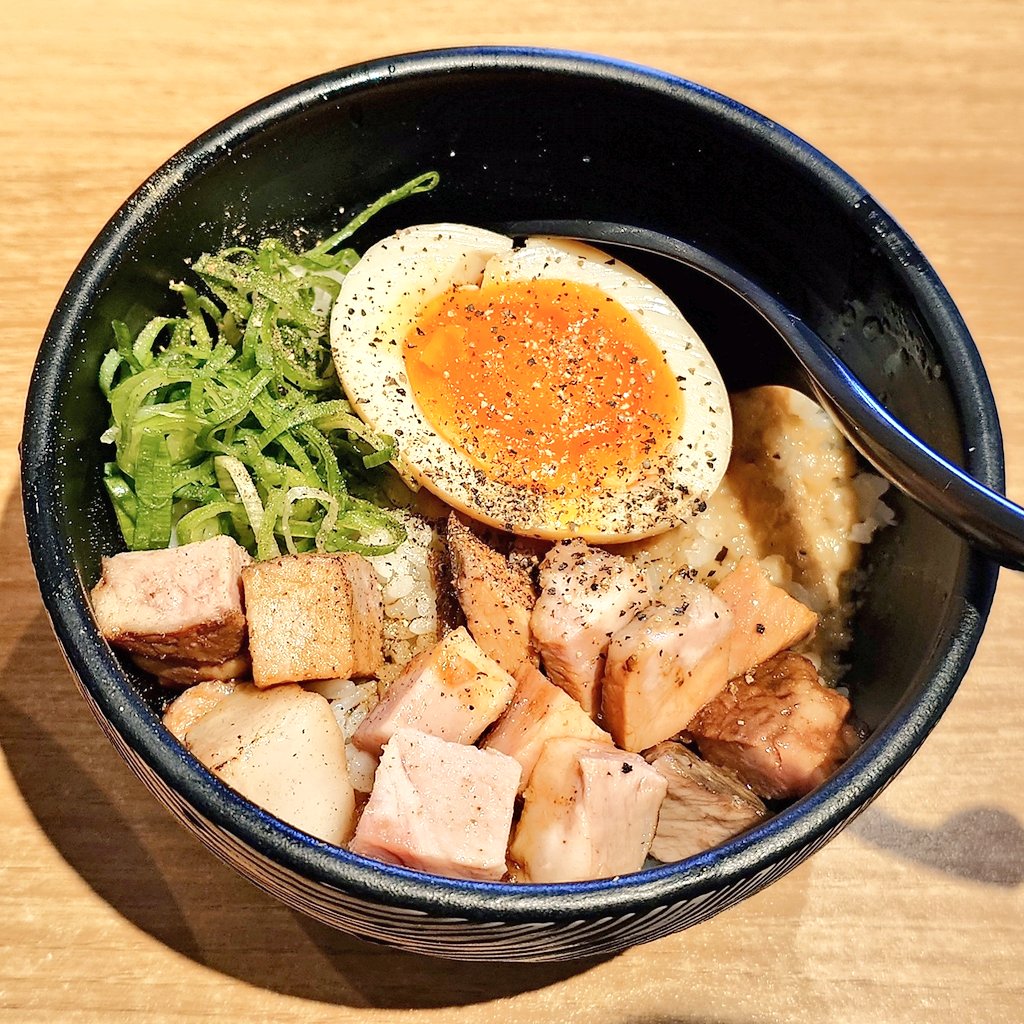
(109, 912)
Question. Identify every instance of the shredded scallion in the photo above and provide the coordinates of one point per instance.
(230, 419)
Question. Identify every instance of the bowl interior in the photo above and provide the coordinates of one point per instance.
(519, 135)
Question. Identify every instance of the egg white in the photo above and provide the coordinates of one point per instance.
(381, 301)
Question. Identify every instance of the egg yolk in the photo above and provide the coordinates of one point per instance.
(544, 384)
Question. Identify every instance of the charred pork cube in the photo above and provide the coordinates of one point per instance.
(313, 616)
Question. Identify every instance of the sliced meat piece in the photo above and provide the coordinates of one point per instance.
(589, 811)
(495, 596)
(766, 619)
(282, 749)
(187, 708)
(313, 616)
(665, 664)
(778, 728)
(453, 691)
(174, 672)
(540, 711)
(586, 595)
(183, 602)
(704, 805)
(440, 807)
(449, 612)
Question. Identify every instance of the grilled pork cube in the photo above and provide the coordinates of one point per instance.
(282, 749)
(586, 595)
(313, 616)
(440, 807)
(766, 619)
(540, 711)
(778, 728)
(496, 597)
(589, 811)
(665, 664)
(704, 805)
(176, 672)
(453, 691)
(183, 603)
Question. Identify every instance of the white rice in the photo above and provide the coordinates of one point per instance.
(410, 595)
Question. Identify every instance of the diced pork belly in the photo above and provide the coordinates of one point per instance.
(440, 807)
(176, 672)
(183, 602)
(665, 664)
(540, 711)
(589, 811)
(586, 595)
(282, 749)
(313, 616)
(704, 805)
(453, 691)
(496, 597)
(766, 619)
(187, 708)
(778, 728)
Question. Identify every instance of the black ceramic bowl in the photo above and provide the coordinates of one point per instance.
(522, 134)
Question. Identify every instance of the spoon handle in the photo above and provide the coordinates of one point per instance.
(990, 521)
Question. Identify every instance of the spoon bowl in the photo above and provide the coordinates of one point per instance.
(987, 519)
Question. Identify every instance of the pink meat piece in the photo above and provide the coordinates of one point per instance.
(453, 691)
(586, 595)
(665, 663)
(182, 603)
(704, 806)
(779, 728)
(540, 711)
(589, 811)
(441, 807)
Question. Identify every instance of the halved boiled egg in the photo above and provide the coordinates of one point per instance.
(548, 389)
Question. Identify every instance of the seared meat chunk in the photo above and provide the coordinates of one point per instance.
(778, 727)
(440, 807)
(453, 691)
(176, 672)
(182, 603)
(586, 595)
(589, 811)
(540, 711)
(282, 749)
(313, 616)
(665, 664)
(704, 805)
(766, 619)
(495, 596)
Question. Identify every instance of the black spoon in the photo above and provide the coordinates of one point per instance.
(988, 520)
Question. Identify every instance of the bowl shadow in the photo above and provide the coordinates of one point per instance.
(129, 850)
(980, 844)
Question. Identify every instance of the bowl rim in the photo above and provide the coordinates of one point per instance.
(802, 826)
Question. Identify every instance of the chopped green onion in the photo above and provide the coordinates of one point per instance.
(230, 419)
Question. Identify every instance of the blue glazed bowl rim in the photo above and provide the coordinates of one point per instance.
(781, 840)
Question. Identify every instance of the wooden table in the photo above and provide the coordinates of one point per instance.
(109, 912)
